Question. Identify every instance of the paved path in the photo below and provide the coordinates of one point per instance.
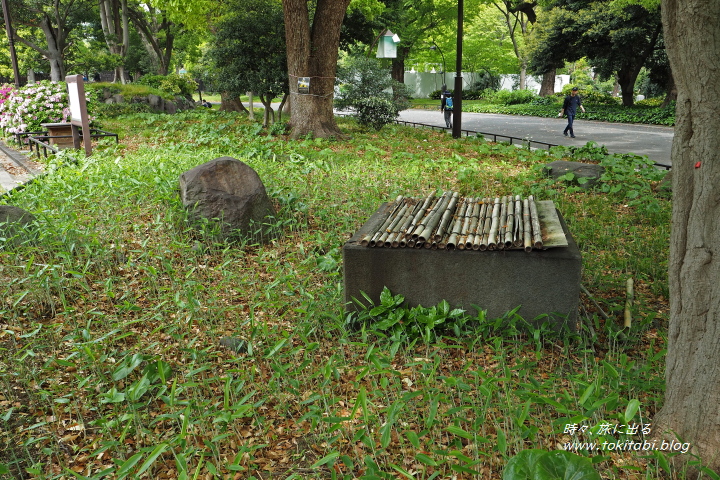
(651, 140)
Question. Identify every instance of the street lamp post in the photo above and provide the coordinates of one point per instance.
(11, 43)
(457, 94)
(435, 47)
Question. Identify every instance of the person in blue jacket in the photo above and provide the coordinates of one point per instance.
(570, 105)
(445, 106)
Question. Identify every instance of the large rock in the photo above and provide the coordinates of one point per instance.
(14, 225)
(581, 170)
(229, 190)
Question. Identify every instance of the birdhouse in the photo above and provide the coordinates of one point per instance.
(387, 45)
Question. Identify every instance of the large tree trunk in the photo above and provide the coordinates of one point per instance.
(398, 65)
(55, 39)
(231, 104)
(115, 27)
(670, 91)
(312, 51)
(547, 87)
(626, 78)
(690, 409)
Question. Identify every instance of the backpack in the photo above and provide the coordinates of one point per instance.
(448, 103)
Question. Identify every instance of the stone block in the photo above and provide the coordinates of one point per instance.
(581, 170)
(539, 282)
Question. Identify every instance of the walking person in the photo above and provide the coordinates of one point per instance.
(570, 105)
(446, 105)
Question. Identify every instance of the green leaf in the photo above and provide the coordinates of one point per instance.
(128, 364)
(422, 458)
(632, 409)
(413, 438)
(151, 459)
(4, 469)
(522, 465)
(326, 459)
(124, 470)
(460, 432)
(560, 464)
(586, 394)
(501, 440)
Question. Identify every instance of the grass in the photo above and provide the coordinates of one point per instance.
(111, 319)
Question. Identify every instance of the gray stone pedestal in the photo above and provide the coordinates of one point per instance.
(540, 282)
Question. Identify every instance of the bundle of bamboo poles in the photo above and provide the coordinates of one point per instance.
(451, 222)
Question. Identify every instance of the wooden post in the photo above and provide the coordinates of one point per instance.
(78, 112)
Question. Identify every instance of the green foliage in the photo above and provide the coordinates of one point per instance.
(104, 110)
(632, 177)
(513, 97)
(544, 465)
(366, 87)
(467, 94)
(248, 50)
(375, 112)
(175, 84)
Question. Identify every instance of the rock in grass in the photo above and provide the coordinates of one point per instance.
(228, 191)
(237, 345)
(15, 225)
(589, 171)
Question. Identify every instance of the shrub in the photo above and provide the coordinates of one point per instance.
(513, 97)
(104, 110)
(173, 83)
(375, 112)
(367, 87)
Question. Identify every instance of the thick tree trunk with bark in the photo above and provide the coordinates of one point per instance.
(312, 51)
(691, 410)
(55, 38)
(115, 27)
(398, 65)
(231, 104)
(547, 87)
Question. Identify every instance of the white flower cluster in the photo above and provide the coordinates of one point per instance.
(26, 108)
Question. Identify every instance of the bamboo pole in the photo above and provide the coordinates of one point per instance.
(390, 229)
(457, 225)
(486, 226)
(510, 225)
(446, 217)
(473, 224)
(527, 240)
(535, 218)
(466, 225)
(503, 223)
(492, 235)
(404, 223)
(479, 227)
(518, 234)
(385, 224)
(420, 226)
(434, 220)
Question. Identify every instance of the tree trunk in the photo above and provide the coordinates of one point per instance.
(626, 78)
(670, 91)
(398, 65)
(690, 409)
(54, 52)
(230, 104)
(312, 51)
(547, 87)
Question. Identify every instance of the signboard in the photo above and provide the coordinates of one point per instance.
(304, 85)
(78, 112)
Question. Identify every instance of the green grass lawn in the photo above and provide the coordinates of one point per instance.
(110, 321)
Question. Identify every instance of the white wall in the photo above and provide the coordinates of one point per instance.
(423, 83)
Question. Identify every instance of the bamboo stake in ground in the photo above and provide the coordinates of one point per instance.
(537, 234)
(629, 297)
